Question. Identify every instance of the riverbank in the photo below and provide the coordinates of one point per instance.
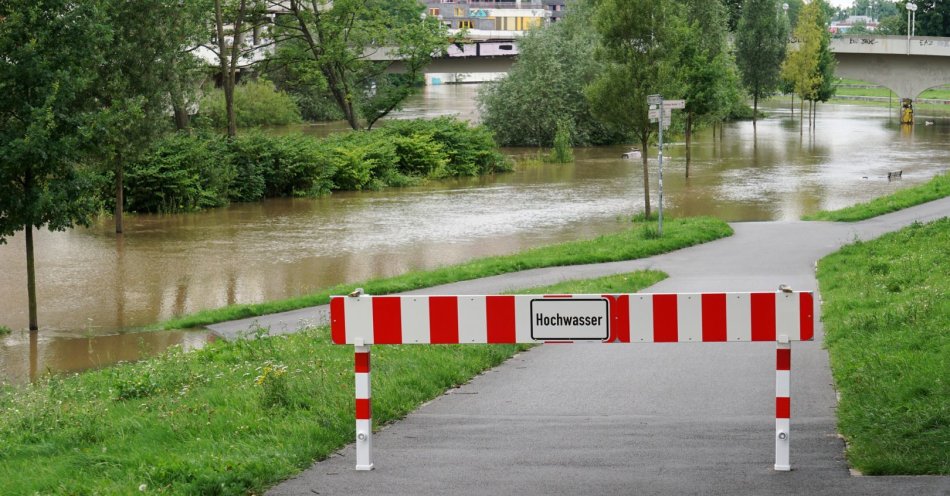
(233, 418)
(887, 313)
(640, 240)
(938, 187)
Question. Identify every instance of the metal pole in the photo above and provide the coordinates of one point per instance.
(783, 371)
(364, 409)
(660, 228)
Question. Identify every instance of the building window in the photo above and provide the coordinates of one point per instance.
(466, 24)
(459, 12)
(435, 11)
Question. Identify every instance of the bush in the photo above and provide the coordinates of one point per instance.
(189, 172)
(182, 172)
(469, 151)
(299, 166)
(562, 153)
(256, 103)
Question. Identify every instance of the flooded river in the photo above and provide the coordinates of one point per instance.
(94, 288)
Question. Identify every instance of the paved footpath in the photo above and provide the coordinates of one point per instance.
(631, 419)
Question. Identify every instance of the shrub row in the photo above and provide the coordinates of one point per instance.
(187, 172)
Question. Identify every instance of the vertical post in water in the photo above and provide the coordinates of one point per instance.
(660, 146)
(364, 410)
(783, 409)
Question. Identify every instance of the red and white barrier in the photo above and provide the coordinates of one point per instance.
(628, 318)
(780, 317)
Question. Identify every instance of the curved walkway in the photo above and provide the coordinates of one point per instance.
(653, 419)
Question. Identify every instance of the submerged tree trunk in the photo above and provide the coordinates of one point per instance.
(644, 144)
(119, 196)
(801, 120)
(755, 108)
(792, 106)
(30, 277)
(689, 140)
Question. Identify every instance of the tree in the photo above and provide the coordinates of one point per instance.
(760, 48)
(146, 40)
(801, 67)
(709, 68)
(52, 50)
(546, 86)
(932, 17)
(334, 40)
(642, 46)
(231, 26)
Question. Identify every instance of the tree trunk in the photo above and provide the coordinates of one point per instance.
(229, 66)
(755, 108)
(801, 120)
(182, 120)
(689, 140)
(644, 143)
(30, 277)
(119, 195)
(792, 106)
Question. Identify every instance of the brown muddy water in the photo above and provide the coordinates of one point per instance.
(95, 289)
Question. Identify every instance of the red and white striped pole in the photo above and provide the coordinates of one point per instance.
(783, 406)
(364, 410)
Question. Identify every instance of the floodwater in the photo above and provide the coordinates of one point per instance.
(95, 289)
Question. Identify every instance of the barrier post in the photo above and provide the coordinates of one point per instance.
(364, 409)
(783, 409)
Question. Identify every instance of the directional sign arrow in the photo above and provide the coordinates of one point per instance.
(674, 104)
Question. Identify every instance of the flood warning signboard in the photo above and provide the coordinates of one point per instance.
(567, 319)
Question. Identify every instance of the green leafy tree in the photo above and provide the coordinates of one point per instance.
(546, 86)
(761, 39)
(931, 19)
(826, 59)
(51, 53)
(233, 22)
(145, 40)
(332, 39)
(642, 46)
(708, 66)
(801, 67)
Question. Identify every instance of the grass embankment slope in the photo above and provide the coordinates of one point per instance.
(232, 418)
(638, 241)
(887, 323)
(936, 188)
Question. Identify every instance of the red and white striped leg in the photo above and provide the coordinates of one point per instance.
(364, 411)
(783, 408)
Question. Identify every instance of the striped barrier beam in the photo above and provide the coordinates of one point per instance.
(778, 317)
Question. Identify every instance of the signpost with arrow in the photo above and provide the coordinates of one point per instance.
(661, 111)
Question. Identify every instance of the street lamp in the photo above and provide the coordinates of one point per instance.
(911, 18)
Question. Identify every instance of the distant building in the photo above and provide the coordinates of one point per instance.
(495, 18)
(842, 27)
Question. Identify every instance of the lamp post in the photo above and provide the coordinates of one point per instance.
(911, 18)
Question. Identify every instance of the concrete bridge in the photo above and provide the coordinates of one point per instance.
(905, 66)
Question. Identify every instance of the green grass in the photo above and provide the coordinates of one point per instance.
(4, 330)
(639, 241)
(887, 323)
(232, 418)
(936, 188)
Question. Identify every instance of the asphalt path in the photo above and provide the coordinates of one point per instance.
(630, 419)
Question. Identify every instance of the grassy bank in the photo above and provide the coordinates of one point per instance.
(233, 418)
(639, 241)
(887, 322)
(936, 188)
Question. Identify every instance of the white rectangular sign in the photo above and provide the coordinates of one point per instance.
(674, 104)
(654, 114)
(570, 319)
